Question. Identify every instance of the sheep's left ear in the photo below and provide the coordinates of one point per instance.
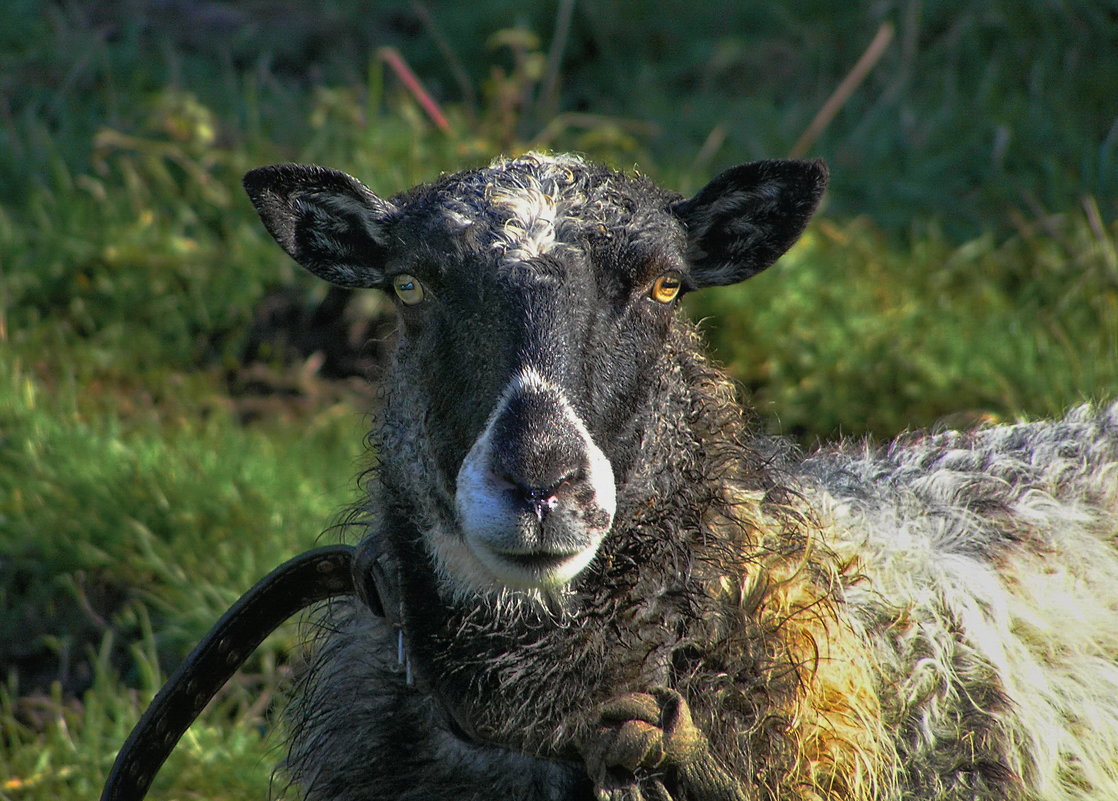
(744, 220)
(327, 221)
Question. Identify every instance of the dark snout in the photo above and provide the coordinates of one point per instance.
(537, 452)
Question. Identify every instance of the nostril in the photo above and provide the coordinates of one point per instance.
(540, 499)
(537, 493)
(535, 490)
(504, 481)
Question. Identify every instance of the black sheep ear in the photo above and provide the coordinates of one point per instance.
(744, 220)
(330, 223)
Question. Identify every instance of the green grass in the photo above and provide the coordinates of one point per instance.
(849, 335)
(54, 746)
(176, 509)
(974, 109)
(965, 267)
(125, 535)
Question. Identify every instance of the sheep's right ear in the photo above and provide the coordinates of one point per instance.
(327, 221)
(743, 220)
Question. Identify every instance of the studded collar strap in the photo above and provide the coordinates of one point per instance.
(379, 585)
(311, 577)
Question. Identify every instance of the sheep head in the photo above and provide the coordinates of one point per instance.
(536, 300)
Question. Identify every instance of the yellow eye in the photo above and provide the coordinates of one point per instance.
(408, 289)
(666, 287)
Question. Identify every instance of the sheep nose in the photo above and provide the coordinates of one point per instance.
(536, 451)
(535, 495)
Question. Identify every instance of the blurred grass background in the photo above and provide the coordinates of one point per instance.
(181, 409)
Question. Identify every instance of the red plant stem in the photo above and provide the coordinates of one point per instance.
(391, 56)
(844, 90)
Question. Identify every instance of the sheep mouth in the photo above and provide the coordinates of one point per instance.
(533, 569)
(540, 562)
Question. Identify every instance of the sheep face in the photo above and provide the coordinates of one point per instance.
(535, 298)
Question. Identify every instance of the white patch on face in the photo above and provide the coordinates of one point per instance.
(530, 231)
(538, 204)
(500, 535)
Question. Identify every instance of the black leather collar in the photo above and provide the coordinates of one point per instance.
(314, 576)
(310, 577)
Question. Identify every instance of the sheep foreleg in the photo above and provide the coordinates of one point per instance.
(646, 747)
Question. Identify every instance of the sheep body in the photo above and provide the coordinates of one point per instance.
(934, 619)
(990, 597)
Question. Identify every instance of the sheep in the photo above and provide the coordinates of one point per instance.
(602, 581)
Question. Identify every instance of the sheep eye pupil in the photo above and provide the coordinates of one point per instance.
(408, 289)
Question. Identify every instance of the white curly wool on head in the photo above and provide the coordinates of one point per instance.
(537, 207)
(530, 205)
